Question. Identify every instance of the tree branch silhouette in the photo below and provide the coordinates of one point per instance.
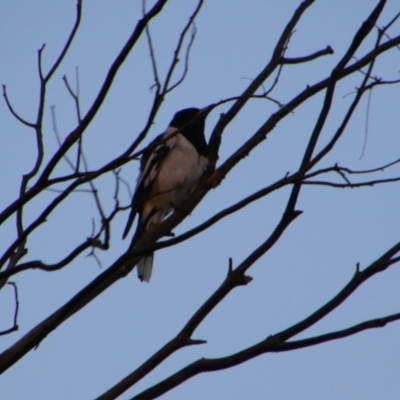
(313, 169)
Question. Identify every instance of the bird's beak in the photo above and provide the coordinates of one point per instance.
(203, 112)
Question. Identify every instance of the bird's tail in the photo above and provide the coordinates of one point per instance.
(144, 267)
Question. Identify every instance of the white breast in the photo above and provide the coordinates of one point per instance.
(180, 172)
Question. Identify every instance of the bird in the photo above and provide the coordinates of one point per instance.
(169, 172)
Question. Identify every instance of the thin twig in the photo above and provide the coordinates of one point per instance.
(166, 88)
(13, 112)
(152, 52)
(187, 57)
(68, 42)
(351, 184)
(15, 322)
(55, 130)
(299, 60)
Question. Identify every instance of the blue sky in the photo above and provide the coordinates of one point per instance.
(314, 259)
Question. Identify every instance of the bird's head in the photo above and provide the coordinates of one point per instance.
(191, 123)
(184, 117)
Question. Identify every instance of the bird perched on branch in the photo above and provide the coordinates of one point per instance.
(168, 174)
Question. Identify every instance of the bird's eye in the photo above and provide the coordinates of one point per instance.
(161, 150)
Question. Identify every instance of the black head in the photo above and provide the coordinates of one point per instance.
(191, 122)
(183, 117)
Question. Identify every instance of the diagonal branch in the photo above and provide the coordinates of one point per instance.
(187, 57)
(68, 43)
(275, 61)
(278, 342)
(380, 265)
(266, 346)
(118, 269)
(78, 131)
(257, 138)
(37, 126)
(359, 37)
(371, 324)
(178, 48)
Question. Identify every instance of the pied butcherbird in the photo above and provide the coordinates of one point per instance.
(169, 172)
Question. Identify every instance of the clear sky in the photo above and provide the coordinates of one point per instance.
(314, 259)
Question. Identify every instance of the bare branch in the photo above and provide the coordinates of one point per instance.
(11, 109)
(366, 124)
(39, 220)
(182, 339)
(117, 271)
(40, 68)
(119, 268)
(91, 242)
(226, 212)
(68, 43)
(78, 131)
(38, 125)
(391, 22)
(275, 61)
(75, 96)
(380, 265)
(368, 171)
(258, 137)
(359, 37)
(269, 345)
(15, 323)
(299, 60)
(371, 324)
(178, 48)
(152, 53)
(350, 184)
(187, 56)
(364, 87)
(278, 341)
(55, 130)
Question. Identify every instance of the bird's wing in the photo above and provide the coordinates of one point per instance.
(150, 165)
